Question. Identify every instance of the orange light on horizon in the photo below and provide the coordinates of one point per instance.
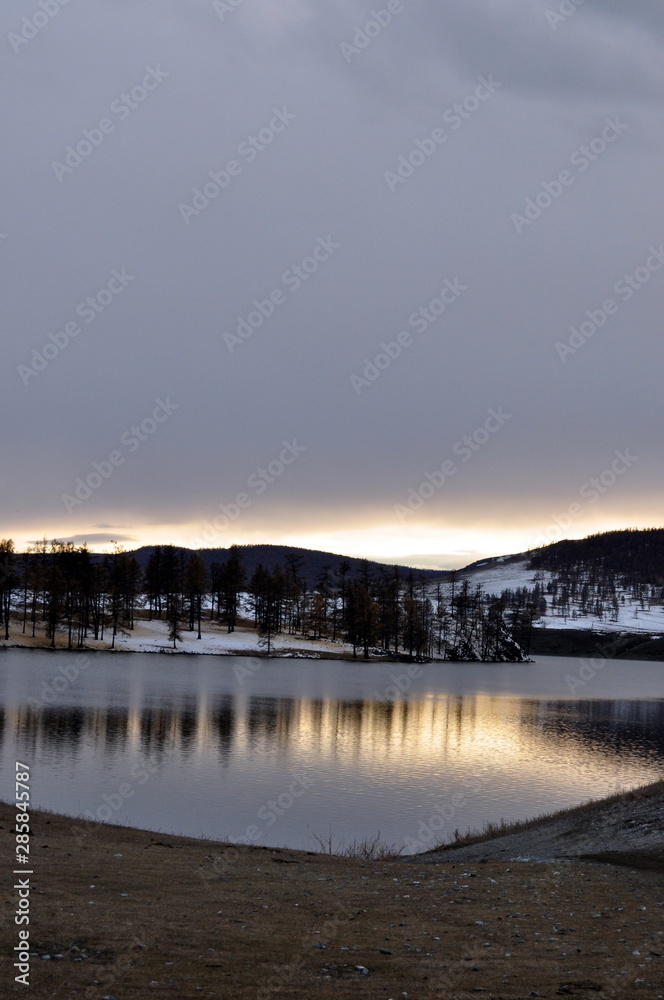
(427, 545)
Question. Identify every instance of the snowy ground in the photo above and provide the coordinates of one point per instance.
(152, 637)
(494, 577)
(508, 575)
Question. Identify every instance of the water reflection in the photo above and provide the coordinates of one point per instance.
(221, 751)
(355, 731)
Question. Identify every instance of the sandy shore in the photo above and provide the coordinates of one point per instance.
(117, 912)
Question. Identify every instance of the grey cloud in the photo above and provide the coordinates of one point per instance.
(324, 177)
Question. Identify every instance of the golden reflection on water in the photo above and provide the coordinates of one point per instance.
(416, 739)
(371, 765)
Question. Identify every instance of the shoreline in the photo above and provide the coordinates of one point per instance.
(151, 636)
(621, 806)
(559, 643)
(234, 922)
(293, 654)
(628, 825)
(578, 642)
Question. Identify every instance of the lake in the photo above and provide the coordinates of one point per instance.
(288, 752)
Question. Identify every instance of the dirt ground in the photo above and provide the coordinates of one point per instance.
(121, 913)
(628, 827)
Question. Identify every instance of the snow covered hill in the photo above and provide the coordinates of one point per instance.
(496, 575)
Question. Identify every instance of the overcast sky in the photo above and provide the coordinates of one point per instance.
(350, 194)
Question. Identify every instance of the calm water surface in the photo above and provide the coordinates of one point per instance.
(276, 752)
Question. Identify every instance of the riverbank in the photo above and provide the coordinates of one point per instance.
(152, 637)
(626, 828)
(120, 912)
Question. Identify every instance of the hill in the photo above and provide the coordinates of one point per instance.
(313, 561)
(558, 599)
(606, 583)
(634, 556)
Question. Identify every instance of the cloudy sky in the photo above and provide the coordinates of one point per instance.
(290, 271)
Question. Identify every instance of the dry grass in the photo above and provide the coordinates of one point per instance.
(367, 849)
(179, 918)
(503, 827)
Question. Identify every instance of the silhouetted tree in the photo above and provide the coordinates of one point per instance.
(195, 587)
(7, 581)
(231, 579)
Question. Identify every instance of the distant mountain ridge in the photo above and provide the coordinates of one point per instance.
(634, 554)
(314, 561)
(606, 583)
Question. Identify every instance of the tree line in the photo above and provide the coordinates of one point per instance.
(596, 575)
(630, 557)
(66, 590)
